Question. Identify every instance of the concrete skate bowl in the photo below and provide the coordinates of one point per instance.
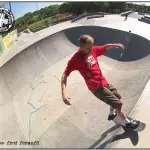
(31, 96)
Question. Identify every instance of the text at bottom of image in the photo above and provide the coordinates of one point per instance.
(19, 143)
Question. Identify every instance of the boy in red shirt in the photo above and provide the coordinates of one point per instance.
(85, 61)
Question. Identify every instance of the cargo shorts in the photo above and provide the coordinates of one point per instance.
(109, 95)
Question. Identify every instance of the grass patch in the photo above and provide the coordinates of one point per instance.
(39, 23)
(34, 27)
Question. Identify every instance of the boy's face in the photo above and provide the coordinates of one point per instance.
(86, 48)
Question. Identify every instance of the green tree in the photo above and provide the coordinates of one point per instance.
(65, 7)
(120, 6)
(28, 18)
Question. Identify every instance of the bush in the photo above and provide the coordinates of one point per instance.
(37, 29)
(39, 24)
(46, 23)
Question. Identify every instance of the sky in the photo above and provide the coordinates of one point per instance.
(21, 8)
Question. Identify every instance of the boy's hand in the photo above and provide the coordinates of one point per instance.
(67, 100)
(119, 46)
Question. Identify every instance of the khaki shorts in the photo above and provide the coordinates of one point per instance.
(109, 95)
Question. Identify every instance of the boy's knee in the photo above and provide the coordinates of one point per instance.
(119, 96)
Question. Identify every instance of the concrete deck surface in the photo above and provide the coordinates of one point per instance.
(141, 139)
(30, 94)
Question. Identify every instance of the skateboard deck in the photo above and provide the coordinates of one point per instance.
(119, 120)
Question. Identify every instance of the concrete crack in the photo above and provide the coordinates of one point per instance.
(57, 78)
(32, 106)
(30, 119)
(35, 109)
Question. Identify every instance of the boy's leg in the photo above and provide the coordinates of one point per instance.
(111, 111)
(109, 98)
(116, 93)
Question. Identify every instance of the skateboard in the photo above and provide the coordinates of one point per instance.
(141, 125)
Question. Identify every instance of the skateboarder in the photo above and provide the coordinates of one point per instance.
(85, 61)
(126, 16)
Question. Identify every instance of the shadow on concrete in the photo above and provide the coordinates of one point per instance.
(136, 46)
(133, 136)
(104, 135)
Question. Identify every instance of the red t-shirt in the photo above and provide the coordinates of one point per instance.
(88, 67)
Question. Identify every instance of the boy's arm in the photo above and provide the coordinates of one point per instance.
(63, 84)
(100, 50)
(63, 89)
(70, 67)
(108, 46)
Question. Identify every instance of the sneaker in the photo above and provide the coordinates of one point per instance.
(132, 125)
(112, 116)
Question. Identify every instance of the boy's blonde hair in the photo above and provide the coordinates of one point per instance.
(85, 39)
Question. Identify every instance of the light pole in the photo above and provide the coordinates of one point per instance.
(37, 6)
(9, 5)
(11, 12)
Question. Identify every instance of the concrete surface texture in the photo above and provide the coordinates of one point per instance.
(134, 140)
(30, 95)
